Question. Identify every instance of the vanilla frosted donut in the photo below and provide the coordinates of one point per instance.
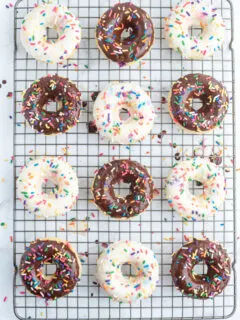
(123, 288)
(195, 13)
(61, 199)
(107, 109)
(183, 201)
(33, 33)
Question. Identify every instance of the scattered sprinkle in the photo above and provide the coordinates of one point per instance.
(169, 239)
(104, 245)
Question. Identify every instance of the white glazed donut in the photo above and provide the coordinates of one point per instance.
(34, 33)
(29, 186)
(107, 109)
(123, 288)
(183, 201)
(195, 13)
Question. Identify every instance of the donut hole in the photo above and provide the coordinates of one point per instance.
(49, 187)
(126, 34)
(122, 189)
(128, 270)
(124, 114)
(196, 187)
(52, 35)
(195, 31)
(201, 268)
(53, 106)
(49, 270)
(197, 104)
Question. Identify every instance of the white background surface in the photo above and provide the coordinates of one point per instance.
(6, 152)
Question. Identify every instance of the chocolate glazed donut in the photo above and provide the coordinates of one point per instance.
(52, 88)
(213, 96)
(127, 171)
(201, 286)
(50, 251)
(125, 16)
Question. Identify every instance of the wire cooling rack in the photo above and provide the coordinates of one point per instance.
(160, 228)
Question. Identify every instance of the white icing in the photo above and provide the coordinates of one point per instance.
(33, 33)
(183, 201)
(107, 108)
(195, 13)
(39, 171)
(123, 288)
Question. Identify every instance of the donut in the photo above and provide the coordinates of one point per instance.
(60, 199)
(201, 286)
(40, 93)
(195, 13)
(33, 33)
(131, 173)
(209, 91)
(50, 251)
(111, 101)
(128, 289)
(180, 198)
(110, 33)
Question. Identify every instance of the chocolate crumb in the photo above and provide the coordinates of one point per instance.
(177, 156)
(92, 128)
(163, 100)
(9, 95)
(215, 159)
(94, 95)
(162, 133)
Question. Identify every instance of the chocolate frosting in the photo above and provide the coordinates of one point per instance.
(195, 285)
(214, 98)
(125, 16)
(45, 251)
(52, 88)
(127, 171)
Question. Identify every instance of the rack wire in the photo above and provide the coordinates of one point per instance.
(160, 228)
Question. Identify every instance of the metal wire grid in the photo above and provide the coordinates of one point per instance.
(159, 228)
